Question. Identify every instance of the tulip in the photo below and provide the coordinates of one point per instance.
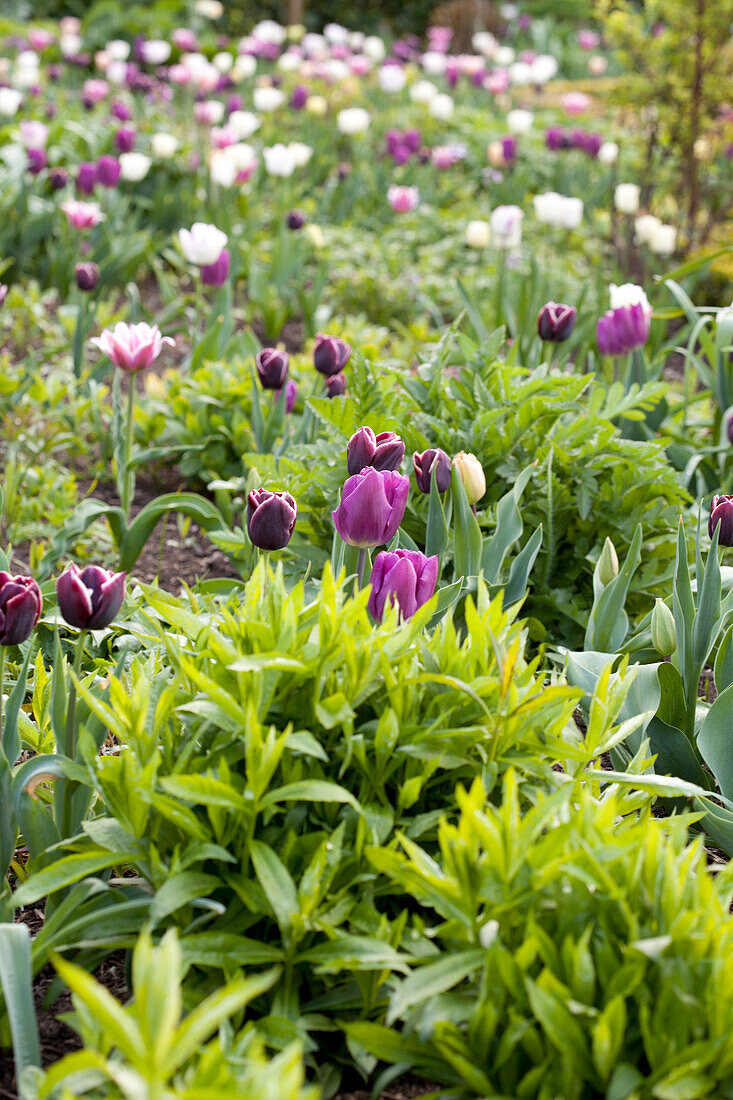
(37, 161)
(353, 120)
(664, 635)
(272, 367)
(402, 199)
(384, 451)
(330, 354)
(20, 608)
(108, 170)
(556, 322)
(471, 474)
(82, 215)
(372, 506)
(216, 274)
(335, 384)
(87, 275)
(134, 166)
(270, 518)
(721, 513)
(433, 461)
(86, 178)
(626, 198)
(296, 220)
(607, 567)
(402, 577)
(125, 139)
(58, 178)
(608, 152)
(3, 292)
(90, 598)
(478, 234)
(291, 394)
(132, 347)
(202, 244)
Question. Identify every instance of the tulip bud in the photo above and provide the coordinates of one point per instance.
(384, 451)
(90, 598)
(108, 170)
(20, 608)
(87, 275)
(434, 460)
(556, 322)
(330, 354)
(270, 518)
(607, 567)
(58, 178)
(403, 577)
(664, 636)
(471, 474)
(296, 220)
(721, 512)
(272, 367)
(335, 385)
(86, 178)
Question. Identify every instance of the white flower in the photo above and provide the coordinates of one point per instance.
(663, 240)
(244, 67)
(223, 62)
(547, 207)
(202, 244)
(244, 124)
(33, 134)
(543, 68)
(645, 225)
(356, 40)
(485, 43)
(488, 932)
(279, 160)
(70, 44)
(519, 121)
(478, 234)
(572, 212)
(626, 198)
(608, 152)
(289, 62)
(441, 107)
(268, 99)
(164, 145)
(117, 49)
(392, 78)
(116, 72)
(223, 167)
(210, 9)
(336, 34)
(270, 31)
(504, 56)
(134, 166)
(353, 120)
(374, 48)
(434, 63)
(316, 105)
(155, 51)
(300, 152)
(520, 73)
(315, 45)
(422, 91)
(10, 101)
(506, 226)
(628, 294)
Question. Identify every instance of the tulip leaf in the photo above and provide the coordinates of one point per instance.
(715, 741)
(608, 623)
(16, 979)
(436, 534)
(724, 662)
(198, 508)
(467, 540)
(521, 567)
(508, 529)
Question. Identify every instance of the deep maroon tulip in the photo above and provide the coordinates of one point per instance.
(730, 418)
(125, 139)
(556, 321)
(270, 518)
(216, 274)
(296, 219)
(108, 170)
(86, 178)
(37, 161)
(20, 608)
(403, 577)
(330, 354)
(272, 367)
(335, 385)
(384, 451)
(372, 505)
(721, 512)
(434, 459)
(87, 275)
(58, 178)
(343, 169)
(90, 598)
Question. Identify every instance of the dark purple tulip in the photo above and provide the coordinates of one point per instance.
(108, 170)
(434, 459)
(509, 149)
(335, 384)
(730, 418)
(299, 97)
(556, 321)
(87, 275)
(721, 512)
(343, 169)
(330, 354)
(20, 608)
(621, 330)
(412, 139)
(37, 161)
(90, 598)
(296, 219)
(291, 394)
(125, 139)
(58, 178)
(372, 505)
(593, 144)
(216, 274)
(272, 367)
(384, 451)
(403, 577)
(86, 178)
(270, 519)
(554, 138)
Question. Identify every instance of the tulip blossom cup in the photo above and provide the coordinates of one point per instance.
(404, 579)
(20, 610)
(270, 519)
(371, 510)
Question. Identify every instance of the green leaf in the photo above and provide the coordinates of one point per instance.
(200, 510)
(467, 539)
(310, 790)
(16, 979)
(715, 741)
(508, 529)
(354, 953)
(180, 890)
(561, 1028)
(64, 872)
(274, 879)
(119, 1028)
(433, 978)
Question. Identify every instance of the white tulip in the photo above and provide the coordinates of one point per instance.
(70, 44)
(608, 152)
(244, 67)
(223, 167)
(519, 121)
(663, 240)
(134, 166)
(504, 56)
(336, 34)
(289, 62)
(268, 99)
(547, 207)
(392, 78)
(10, 101)
(270, 31)
(478, 234)
(118, 49)
(300, 152)
(210, 9)
(506, 226)
(223, 62)
(441, 107)
(544, 68)
(244, 123)
(164, 145)
(353, 120)
(434, 63)
(485, 43)
(422, 91)
(202, 244)
(645, 225)
(520, 73)
(374, 48)
(279, 160)
(626, 198)
(155, 51)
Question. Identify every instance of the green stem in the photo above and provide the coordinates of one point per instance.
(2, 693)
(360, 567)
(129, 475)
(69, 787)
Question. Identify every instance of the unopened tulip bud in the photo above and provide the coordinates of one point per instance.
(335, 385)
(607, 567)
(330, 354)
(433, 461)
(270, 518)
(384, 451)
(721, 513)
(87, 275)
(471, 474)
(20, 608)
(272, 367)
(296, 220)
(90, 598)
(556, 322)
(664, 637)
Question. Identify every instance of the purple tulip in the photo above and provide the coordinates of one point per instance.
(509, 149)
(335, 385)
(216, 274)
(299, 97)
(556, 322)
(372, 505)
(384, 451)
(403, 577)
(433, 460)
(125, 139)
(330, 354)
(37, 161)
(108, 170)
(291, 395)
(86, 178)
(272, 367)
(721, 513)
(270, 519)
(621, 330)
(20, 608)
(121, 111)
(58, 178)
(90, 598)
(87, 275)
(296, 219)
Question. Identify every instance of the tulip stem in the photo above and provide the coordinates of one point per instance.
(360, 567)
(70, 747)
(128, 481)
(2, 695)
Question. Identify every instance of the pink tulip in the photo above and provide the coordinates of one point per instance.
(82, 215)
(132, 347)
(403, 199)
